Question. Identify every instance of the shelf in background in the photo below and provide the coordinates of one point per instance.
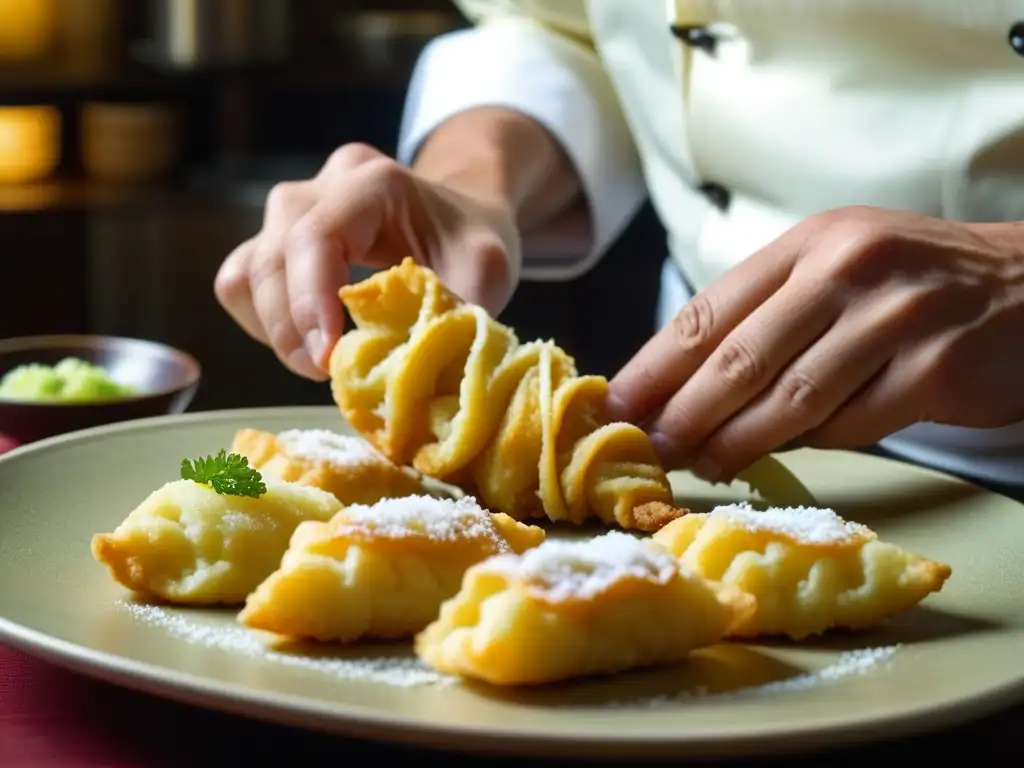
(69, 194)
(339, 71)
(59, 81)
(241, 185)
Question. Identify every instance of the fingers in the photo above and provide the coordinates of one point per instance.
(671, 356)
(744, 364)
(348, 218)
(340, 229)
(231, 287)
(316, 267)
(481, 273)
(270, 299)
(674, 354)
(362, 208)
(887, 404)
(268, 278)
(257, 260)
(811, 393)
(346, 158)
(286, 297)
(361, 217)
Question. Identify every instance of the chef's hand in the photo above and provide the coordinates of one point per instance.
(851, 326)
(364, 209)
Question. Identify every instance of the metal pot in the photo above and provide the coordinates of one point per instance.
(201, 34)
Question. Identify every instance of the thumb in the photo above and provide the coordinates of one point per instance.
(315, 272)
(480, 267)
(479, 277)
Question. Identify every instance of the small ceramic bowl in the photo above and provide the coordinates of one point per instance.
(165, 380)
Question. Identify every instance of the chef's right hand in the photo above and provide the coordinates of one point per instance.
(363, 209)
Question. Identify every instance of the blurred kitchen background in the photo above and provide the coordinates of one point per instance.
(139, 138)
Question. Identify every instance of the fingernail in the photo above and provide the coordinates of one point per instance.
(299, 362)
(708, 469)
(616, 408)
(315, 345)
(664, 446)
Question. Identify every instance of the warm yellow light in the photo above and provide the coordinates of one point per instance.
(27, 28)
(29, 143)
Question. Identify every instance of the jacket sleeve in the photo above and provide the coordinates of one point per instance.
(538, 59)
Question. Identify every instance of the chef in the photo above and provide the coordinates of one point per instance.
(842, 182)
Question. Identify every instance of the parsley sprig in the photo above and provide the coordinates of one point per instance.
(226, 473)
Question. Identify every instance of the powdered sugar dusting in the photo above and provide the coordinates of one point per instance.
(565, 570)
(330, 447)
(406, 671)
(435, 518)
(807, 525)
(849, 664)
(401, 671)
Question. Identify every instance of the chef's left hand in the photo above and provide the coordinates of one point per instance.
(849, 327)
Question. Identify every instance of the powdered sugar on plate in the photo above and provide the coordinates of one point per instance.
(424, 516)
(567, 570)
(400, 671)
(849, 664)
(330, 447)
(406, 671)
(806, 525)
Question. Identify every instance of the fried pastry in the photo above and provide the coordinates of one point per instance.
(809, 569)
(380, 571)
(575, 609)
(343, 465)
(188, 544)
(438, 384)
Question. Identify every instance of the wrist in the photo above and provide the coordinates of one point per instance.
(477, 183)
(469, 155)
(503, 159)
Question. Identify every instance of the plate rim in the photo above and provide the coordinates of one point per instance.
(369, 724)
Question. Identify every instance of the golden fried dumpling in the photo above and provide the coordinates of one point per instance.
(809, 569)
(344, 465)
(573, 609)
(380, 571)
(188, 544)
(438, 384)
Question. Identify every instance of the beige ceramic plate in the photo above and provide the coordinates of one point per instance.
(958, 656)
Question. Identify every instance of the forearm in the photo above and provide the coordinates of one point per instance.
(507, 158)
(530, 111)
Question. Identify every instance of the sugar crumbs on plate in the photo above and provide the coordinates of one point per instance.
(849, 664)
(400, 671)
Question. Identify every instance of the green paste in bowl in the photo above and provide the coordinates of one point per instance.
(70, 381)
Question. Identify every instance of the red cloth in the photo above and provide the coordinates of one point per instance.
(7, 443)
(39, 701)
(51, 718)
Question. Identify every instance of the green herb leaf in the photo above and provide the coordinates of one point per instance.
(226, 473)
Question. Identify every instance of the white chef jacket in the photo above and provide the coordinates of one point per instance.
(741, 117)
